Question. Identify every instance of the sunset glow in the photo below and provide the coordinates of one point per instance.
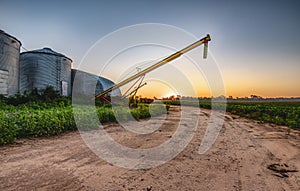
(254, 43)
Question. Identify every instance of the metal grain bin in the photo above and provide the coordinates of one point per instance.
(88, 84)
(45, 67)
(9, 64)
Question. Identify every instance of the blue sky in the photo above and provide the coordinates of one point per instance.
(256, 43)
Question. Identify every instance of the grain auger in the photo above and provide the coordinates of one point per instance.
(175, 55)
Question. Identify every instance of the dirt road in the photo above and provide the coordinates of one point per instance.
(238, 160)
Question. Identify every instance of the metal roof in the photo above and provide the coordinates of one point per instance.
(47, 50)
(2, 32)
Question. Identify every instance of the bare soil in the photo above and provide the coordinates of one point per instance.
(238, 160)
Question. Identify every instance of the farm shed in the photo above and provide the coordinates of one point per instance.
(88, 84)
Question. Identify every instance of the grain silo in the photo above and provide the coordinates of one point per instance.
(45, 67)
(9, 64)
(88, 84)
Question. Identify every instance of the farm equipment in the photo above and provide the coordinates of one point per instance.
(141, 74)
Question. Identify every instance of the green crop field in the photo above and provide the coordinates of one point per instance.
(34, 121)
(280, 113)
(46, 113)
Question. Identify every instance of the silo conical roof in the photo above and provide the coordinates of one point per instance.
(47, 50)
(4, 33)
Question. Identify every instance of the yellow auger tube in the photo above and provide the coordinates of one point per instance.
(158, 64)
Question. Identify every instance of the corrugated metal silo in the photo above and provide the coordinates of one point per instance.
(9, 64)
(90, 84)
(45, 67)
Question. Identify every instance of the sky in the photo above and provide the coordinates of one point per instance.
(255, 43)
